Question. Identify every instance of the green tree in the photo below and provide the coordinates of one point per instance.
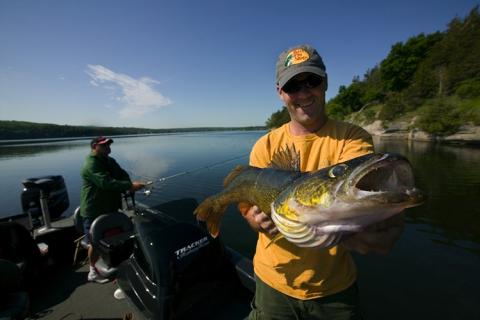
(440, 117)
(452, 60)
(350, 98)
(469, 88)
(335, 110)
(278, 118)
(398, 69)
(373, 91)
(393, 107)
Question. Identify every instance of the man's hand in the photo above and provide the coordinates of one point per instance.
(137, 185)
(257, 219)
(378, 238)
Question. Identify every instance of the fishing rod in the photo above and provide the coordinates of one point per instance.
(149, 184)
(178, 174)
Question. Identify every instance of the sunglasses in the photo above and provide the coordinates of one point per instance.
(294, 86)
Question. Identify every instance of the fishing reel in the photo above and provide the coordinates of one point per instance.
(147, 190)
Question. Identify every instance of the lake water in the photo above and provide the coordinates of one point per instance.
(433, 272)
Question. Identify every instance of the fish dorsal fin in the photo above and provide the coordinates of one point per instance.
(233, 174)
(286, 159)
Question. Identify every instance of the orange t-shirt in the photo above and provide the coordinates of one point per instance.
(308, 273)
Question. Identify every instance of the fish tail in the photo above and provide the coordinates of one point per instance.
(211, 211)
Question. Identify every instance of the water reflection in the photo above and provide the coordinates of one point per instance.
(451, 177)
(28, 150)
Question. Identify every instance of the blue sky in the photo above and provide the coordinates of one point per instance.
(167, 64)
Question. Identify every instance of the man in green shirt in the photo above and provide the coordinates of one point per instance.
(103, 182)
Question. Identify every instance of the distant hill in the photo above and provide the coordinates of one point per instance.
(431, 82)
(12, 130)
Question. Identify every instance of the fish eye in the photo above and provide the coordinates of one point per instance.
(337, 171)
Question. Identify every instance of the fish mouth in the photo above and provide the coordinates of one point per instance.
(386, 178)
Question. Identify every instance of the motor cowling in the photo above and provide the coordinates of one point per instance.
(174, 267)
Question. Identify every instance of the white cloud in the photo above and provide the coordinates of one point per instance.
(138, 95)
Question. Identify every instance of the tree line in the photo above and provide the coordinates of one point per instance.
(433, 77)
(11, 130)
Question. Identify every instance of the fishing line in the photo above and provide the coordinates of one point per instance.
(178, 174)
(149, 185)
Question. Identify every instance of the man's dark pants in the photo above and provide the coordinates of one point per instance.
(270, 304)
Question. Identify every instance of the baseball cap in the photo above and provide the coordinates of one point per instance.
(296, 60)
(100, 140)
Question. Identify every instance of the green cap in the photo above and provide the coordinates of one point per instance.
(296, 60)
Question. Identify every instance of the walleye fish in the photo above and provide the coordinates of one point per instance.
(318, 208)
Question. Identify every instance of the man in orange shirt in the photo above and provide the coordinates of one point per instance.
(310, 283)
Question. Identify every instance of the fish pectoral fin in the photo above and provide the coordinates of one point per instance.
(277, 237)
(210, 211)
(213, 227)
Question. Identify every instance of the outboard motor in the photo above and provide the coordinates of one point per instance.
(57, 200)
(175, 270)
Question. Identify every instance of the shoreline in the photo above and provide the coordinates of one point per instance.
(13, 142)
(468, 135)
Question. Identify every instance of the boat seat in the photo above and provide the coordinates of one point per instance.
(14, 300)
(103, 227)
(81, 242)
(115, 225)
(78, 222)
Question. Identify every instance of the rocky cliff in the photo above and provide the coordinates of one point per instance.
(468, 134)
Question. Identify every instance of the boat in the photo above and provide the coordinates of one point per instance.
(161, 267)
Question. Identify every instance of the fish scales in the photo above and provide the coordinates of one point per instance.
(246, 184)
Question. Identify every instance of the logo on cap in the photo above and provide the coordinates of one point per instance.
(296, 56)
